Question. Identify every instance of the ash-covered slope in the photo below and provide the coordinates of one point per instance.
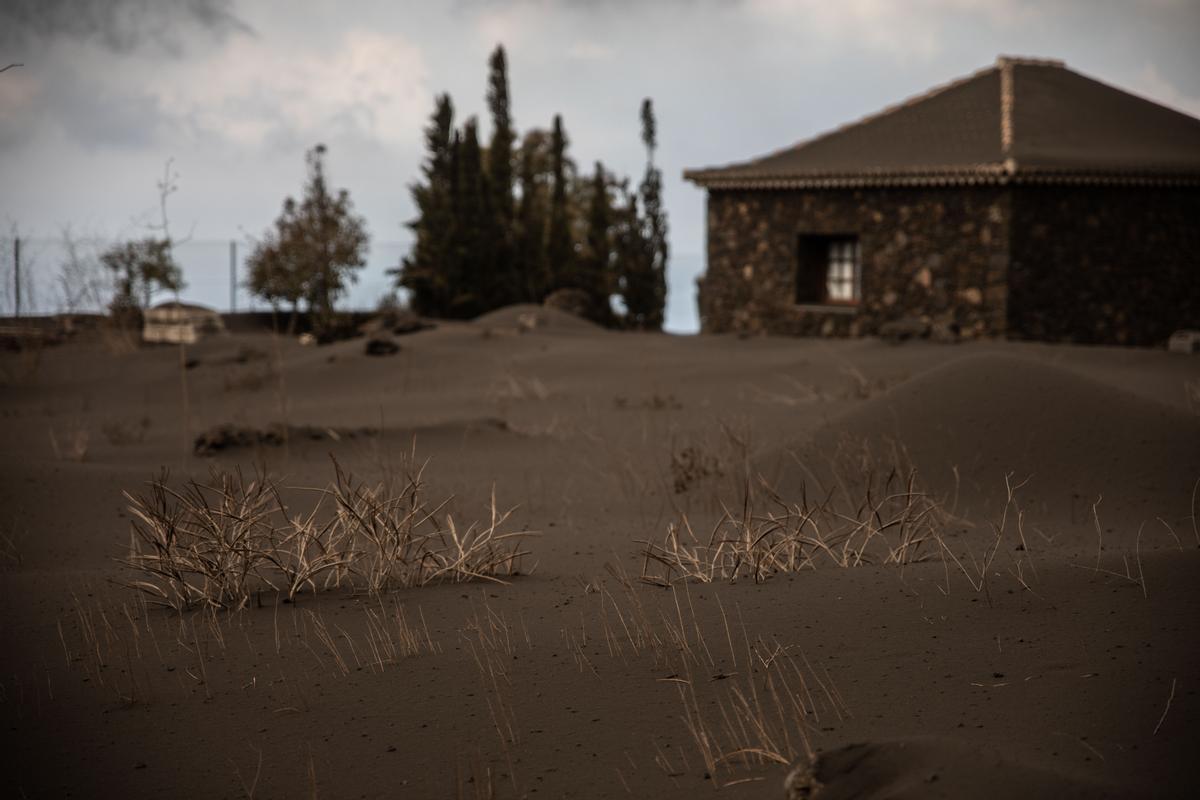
(968, 424)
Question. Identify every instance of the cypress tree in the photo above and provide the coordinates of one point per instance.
(629, 249)
(500, 170)
(593, 272)
(473, 256)
(530, 250)
(504, 284)
(645, 275)
(559, 249)
(656, 216)
(426, 272)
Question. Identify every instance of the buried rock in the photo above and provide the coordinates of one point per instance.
(228, 437)
(399, 322)
(381, 345)
(405, 322)
(932, 766)
(903, 329)
(224, 437)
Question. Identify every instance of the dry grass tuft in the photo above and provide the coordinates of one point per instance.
(747, 700)
(891, 521)
(221, 543)
(249, 378)
(764, 715)
(873, 512)
(120, 433)
(10, 551)
(72, 441)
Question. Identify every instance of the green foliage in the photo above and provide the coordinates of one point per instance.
(478, 247)
(500, 171)
(425, 272)
(560, 251)
(504, 283)
(644, 252)
(529, 256)
(472, 254)
(593, 270)
(313, 251)
(141, 268)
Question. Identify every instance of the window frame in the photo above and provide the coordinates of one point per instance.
(827, 253)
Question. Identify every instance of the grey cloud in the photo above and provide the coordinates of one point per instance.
(93, 115)
(99, 117)
(121, 26)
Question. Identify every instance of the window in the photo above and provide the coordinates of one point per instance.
(829, 270)
(841, 281)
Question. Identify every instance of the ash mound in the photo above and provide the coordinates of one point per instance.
(967, 424)
(932, 767)
(527, 316)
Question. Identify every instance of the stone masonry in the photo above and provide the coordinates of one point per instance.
(1089, 264)
(1104, 265)
(937, 254)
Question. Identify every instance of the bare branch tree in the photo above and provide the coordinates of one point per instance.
(82, 284)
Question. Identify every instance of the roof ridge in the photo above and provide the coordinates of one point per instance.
(1049, 124)
(1007, 100)
(1029, 61)
(884, 112)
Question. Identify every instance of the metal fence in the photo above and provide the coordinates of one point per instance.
(45, 275)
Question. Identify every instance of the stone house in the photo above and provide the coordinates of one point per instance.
(1025, 200)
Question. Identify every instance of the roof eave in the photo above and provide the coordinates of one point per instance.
(991, 174)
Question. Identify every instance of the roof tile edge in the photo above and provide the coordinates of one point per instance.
(1029, 61)
(986, 174)
(883, 112)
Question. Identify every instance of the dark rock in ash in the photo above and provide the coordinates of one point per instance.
(227, 437)
(945, 332)
(573, 301)
(405, 322)
(399, 321)
(901, 330)
(381, 345)
(224, 437)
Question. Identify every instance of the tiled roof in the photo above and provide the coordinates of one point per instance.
(1021, 119)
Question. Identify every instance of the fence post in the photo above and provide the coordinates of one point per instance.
(232, 276)
(17, 274)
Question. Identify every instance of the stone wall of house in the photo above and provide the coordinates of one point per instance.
(938, 254)
(1115, 265)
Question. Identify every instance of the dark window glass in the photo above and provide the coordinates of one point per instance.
(829, 270)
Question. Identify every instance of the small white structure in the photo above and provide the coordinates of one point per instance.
(180, 323)
(1184, 341)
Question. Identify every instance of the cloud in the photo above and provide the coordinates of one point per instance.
(1150, 82)
(250, 94)
(590, 51)
(18, 89)
(121, 26)
(372, 86)
(66, 96)
(102, 116)
(510, 24)
(914, 27)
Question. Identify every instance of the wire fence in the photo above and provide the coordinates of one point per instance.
(45, 275)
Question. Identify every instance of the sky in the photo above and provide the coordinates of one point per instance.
(233, 92)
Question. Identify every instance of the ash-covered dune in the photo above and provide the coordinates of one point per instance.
(967, 424)
(935, 767)
(532, 316)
